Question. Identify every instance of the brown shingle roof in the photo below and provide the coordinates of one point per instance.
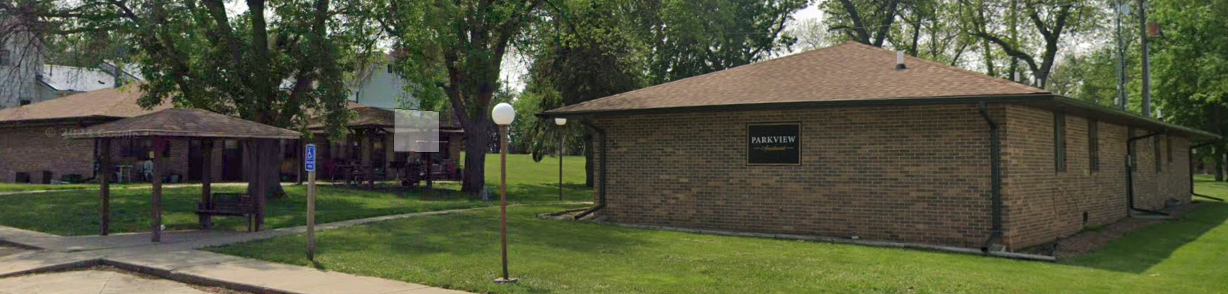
(116, 103)
(847, 72)
(184, 122)
(375, 117)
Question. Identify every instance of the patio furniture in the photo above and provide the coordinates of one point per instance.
(228, 204)
(123, 172)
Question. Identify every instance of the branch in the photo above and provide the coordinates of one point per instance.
(888, 18)
(218, 12)
(1009, 49)
(859, 26)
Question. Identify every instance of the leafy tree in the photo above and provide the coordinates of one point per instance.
(275, 63)
(588, 49)
(866, 21)
(1091, 77)
(1191, 68)
(810, 34)
(452, 50)
(1050, 20)
(931, 29)
(689, 38)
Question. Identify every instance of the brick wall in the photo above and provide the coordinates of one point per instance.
(35, 149)
(916, 174)
(1043, 204)
(912, 174)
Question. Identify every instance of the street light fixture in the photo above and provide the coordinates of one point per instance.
(503, 114)
(560, 122)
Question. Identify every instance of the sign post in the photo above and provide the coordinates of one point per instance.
(309, 162)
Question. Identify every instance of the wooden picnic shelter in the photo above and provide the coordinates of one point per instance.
(371, 126)
(184, 125)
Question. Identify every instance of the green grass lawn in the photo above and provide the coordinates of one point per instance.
(77, 212)
(10, 187)
(461, 251)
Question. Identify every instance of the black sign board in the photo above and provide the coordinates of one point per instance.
(774, 144)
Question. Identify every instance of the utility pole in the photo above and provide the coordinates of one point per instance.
(1142, 21)
(1014, 39)
(1119, 12)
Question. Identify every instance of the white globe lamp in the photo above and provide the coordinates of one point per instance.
(503, 114)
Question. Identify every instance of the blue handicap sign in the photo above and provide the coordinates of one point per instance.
(309, 159)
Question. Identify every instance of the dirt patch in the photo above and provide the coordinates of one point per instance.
(565, 215)
(1094, 238)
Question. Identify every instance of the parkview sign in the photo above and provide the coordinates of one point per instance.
(773, 144)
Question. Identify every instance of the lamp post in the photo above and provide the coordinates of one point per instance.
(560, 122)
(503, 114)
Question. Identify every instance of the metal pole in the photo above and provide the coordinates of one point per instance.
(560, 166)
(503, 199)
(311, 215)
(1142, 18)
(1121, 55)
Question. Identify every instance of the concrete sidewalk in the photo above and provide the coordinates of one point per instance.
(176, 259)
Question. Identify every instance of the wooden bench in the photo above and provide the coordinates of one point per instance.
(229, 204)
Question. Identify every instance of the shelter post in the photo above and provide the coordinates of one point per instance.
(389, 154)
(156, 211)
(368, 168)
(104, 176)
(206, 181)
(298, 158)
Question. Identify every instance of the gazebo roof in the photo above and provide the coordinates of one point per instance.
(184, 122)
(375, 117)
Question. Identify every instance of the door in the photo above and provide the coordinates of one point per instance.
(195, 156)
(232, 162)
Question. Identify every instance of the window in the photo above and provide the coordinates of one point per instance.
(1155, 148)
(1168, 142)
(1059, 141)
(5, 55)
(1093, 145)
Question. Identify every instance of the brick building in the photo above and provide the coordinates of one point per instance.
(33, 150)
(847, 141)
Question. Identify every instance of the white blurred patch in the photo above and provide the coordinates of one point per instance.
(416, 131)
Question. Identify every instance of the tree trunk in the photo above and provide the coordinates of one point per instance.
(264, 172)
(588, 158)
(1219, 167)
(477, 144)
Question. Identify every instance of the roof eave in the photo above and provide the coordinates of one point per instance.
(806, 104)
(1134, 119)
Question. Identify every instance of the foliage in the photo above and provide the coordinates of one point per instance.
(584, 50)
(865, 21)
(1191, 66)
(689, 38)
(1049, 20)
(1091, 77)
(452, 50)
